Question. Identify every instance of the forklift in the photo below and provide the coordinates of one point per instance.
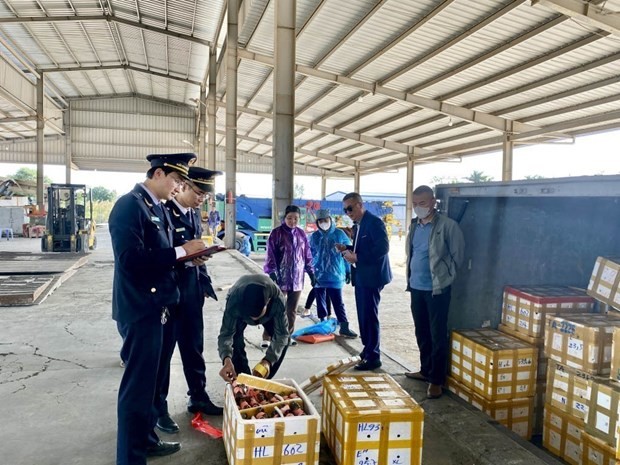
(69, 226)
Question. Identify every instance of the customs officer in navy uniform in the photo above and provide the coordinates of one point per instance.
(145, 287)
(370, 271)
(186, 324)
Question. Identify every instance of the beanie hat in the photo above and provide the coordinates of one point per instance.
(254, 298)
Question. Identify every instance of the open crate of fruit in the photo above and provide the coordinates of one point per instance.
(269, 422)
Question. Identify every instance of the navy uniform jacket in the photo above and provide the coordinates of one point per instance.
(186, 230)
(144, 259)
(371, 244)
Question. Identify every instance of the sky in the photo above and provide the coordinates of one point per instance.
(588, 155)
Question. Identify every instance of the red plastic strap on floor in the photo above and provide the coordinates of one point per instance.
(204, 427)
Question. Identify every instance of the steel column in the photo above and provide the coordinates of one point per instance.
(202, 134)
(66, 120)
(231, 124)
(283, 106)
(507, 148)
(323, 187)
(409, 195)
(212, 108)
(356, 181)
(40, 135)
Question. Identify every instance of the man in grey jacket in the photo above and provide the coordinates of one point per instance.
(435, 248)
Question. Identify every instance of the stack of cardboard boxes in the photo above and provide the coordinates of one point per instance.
(601, 347)
(580, 398)
(581, 404)
(523, 316)
(496, 373)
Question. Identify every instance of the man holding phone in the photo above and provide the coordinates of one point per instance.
(370, 272)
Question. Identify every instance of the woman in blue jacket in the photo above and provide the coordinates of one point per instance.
(330, 269)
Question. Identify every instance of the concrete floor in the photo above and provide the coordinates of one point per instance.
(59, 375)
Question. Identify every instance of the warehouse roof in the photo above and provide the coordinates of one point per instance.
(378, 81)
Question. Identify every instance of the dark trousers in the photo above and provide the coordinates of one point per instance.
(240, 357)
(430, 317)
(185, 328)
(310, 301)
(292, 299)
(141, 351)
(367, 301)
(325, 295)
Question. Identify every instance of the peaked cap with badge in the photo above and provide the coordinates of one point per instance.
(203, 178)
(179, 162)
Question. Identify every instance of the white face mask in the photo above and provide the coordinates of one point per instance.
(325, 225)
(421, 212)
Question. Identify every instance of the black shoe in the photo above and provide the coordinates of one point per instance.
(163, 448)
(345, 331)
(166, 424)
(366, 365)
(205, 406)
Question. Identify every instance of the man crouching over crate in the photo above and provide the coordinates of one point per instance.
(253, 300)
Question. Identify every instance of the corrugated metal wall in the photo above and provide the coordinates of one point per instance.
(116, 135)
(24, 151)
(127, 129)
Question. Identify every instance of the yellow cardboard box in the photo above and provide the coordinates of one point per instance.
(524, 307)
(494, 364)
(605, 281)
(602, 420)
(582, 341)
(514, 414)
(539, 342)
(596, 452)
(614, 372)
(562, 434)
(569, 389)
(289, 440)
(371, 419)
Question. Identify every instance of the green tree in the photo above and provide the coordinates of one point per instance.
(298, 191)
(478, 176)
(435, 180)
(30, 175)
(102, 194)
(101, 211)
(534, 176)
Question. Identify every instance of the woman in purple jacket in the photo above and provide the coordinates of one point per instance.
(288, 257)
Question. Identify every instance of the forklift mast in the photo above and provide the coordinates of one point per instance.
(69, 223)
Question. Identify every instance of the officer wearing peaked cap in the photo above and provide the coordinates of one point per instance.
(186, 325)
(144, 288)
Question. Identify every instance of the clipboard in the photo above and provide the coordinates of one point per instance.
(202, 253)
